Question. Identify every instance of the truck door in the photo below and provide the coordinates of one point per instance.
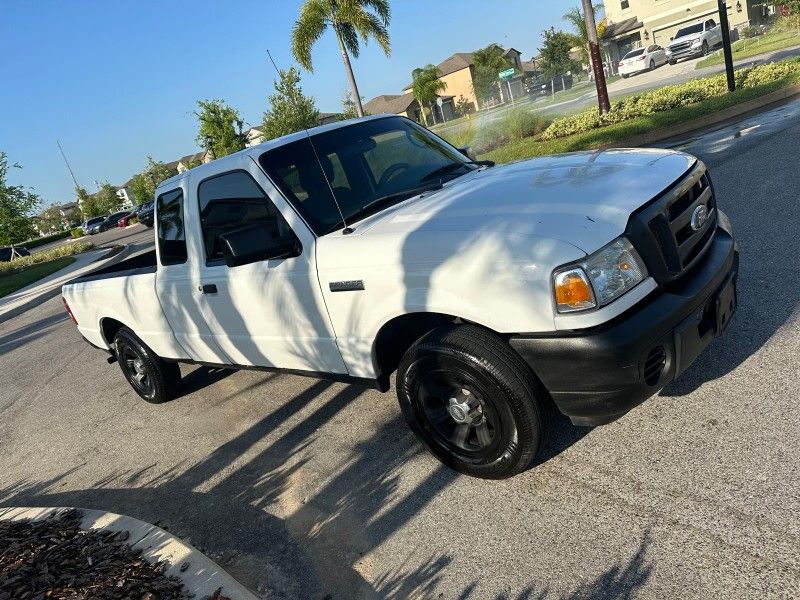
(177, 281)
(267, 312)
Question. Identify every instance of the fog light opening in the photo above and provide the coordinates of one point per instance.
(654, 365)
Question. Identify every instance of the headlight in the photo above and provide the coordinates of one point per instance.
(603, 277)
(697, 43)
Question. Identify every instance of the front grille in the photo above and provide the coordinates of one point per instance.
(682, 47)
(664, 232)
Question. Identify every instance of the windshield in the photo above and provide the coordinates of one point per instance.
(369, 166)
(633, 53)
(95, 220)
(689, 30)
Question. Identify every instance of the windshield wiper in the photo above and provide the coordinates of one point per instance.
(456, 165)
(375, 205)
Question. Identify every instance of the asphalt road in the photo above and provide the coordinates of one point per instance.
(129, 235)
(309, 489)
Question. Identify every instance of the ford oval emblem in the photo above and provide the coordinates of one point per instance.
(699, 217)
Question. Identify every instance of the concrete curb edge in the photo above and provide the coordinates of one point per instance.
(202, 577)
(737, 110)
(115, 254)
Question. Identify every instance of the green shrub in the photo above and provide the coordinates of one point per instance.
(748, 32)
(46, 256)
(520, 123)
(460, 137)
(77, 232)
(670, 97)
(45, 239)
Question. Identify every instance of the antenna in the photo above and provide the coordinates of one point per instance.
(66, 162)
(346, 229)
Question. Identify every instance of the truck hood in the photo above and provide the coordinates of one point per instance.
(584, 199)
(687, 38)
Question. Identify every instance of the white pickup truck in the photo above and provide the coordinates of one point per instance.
(357, 249)
(694, 40)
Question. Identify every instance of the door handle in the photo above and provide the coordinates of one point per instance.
(208, 288)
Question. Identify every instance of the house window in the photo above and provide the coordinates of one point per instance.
(625, 4)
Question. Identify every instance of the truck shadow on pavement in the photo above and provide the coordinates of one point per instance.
(257, 506)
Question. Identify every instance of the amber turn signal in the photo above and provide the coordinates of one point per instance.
(572, 291)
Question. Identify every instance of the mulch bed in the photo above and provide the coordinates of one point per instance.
(54, 558)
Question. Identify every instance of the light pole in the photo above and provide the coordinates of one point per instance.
(596, 58)
(726, 44)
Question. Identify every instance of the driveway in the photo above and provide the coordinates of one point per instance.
(309, 489)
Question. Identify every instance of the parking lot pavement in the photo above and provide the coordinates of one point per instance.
(133, 234)
(302, 488)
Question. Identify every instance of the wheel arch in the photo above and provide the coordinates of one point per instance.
(399, 333)
(109, 327)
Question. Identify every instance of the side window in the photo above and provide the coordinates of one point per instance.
(710, 24)
(171, 235)
(234, 201)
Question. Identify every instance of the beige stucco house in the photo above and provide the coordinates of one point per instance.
(633, 23)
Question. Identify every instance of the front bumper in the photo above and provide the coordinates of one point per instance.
(688, 53)
(595, 376)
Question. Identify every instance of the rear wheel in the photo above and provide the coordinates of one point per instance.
(150, 376)
(673, 62)
(472, 400)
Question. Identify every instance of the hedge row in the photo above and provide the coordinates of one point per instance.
(44, 256)
(45, 239)
(670, 97)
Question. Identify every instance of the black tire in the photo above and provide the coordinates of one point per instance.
(705, 49)
(150, 376)
(673, 62)
(652, 65)
(494, 392)
(625, 76)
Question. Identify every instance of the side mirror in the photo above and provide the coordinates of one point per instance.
(465, 150)
(255, 243)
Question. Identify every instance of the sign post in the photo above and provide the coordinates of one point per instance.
(507, 76)
(726, 44)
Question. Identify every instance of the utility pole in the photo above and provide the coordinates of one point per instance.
(726, 44)
(66, 162)
(596, 58)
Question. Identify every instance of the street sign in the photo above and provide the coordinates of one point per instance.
(507, 74)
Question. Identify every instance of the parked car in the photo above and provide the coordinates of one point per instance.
(12, 253)
(145, 214)
(361, 248)
(112, 220)
(642, 59)
(126, 220)
(694, 40)
(92, 226)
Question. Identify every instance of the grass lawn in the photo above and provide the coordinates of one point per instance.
(19, 279)
(613, 134)
(755, 46)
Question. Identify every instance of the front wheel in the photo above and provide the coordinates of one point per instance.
(472, 400)
(150, 376)
(705, 49)
(652, 65)
(673, 62)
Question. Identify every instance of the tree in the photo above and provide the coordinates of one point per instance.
(50, 220)
(349, 109)
(143, 185)
(16, 207)
(488, 62)
(575, 17)
(87, 202)
(290, 110)
(220, 128)
(788, 9)
(427, 86)
(349, 19)
(555, 59)
(107, 199)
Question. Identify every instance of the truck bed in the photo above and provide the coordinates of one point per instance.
(139, 264)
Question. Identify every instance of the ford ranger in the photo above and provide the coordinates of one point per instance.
(363, 248)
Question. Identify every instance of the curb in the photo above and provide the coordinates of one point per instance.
(201, 576)
(115, 255)
(659, 135)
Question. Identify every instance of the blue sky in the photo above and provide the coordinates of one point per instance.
(116, 81)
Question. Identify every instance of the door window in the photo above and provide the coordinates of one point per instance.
(235, 201)
(171, 234)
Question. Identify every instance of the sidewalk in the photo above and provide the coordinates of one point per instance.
(50, 287)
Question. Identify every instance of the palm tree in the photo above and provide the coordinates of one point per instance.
(575, 18)
(349, 19)
(426, 87)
